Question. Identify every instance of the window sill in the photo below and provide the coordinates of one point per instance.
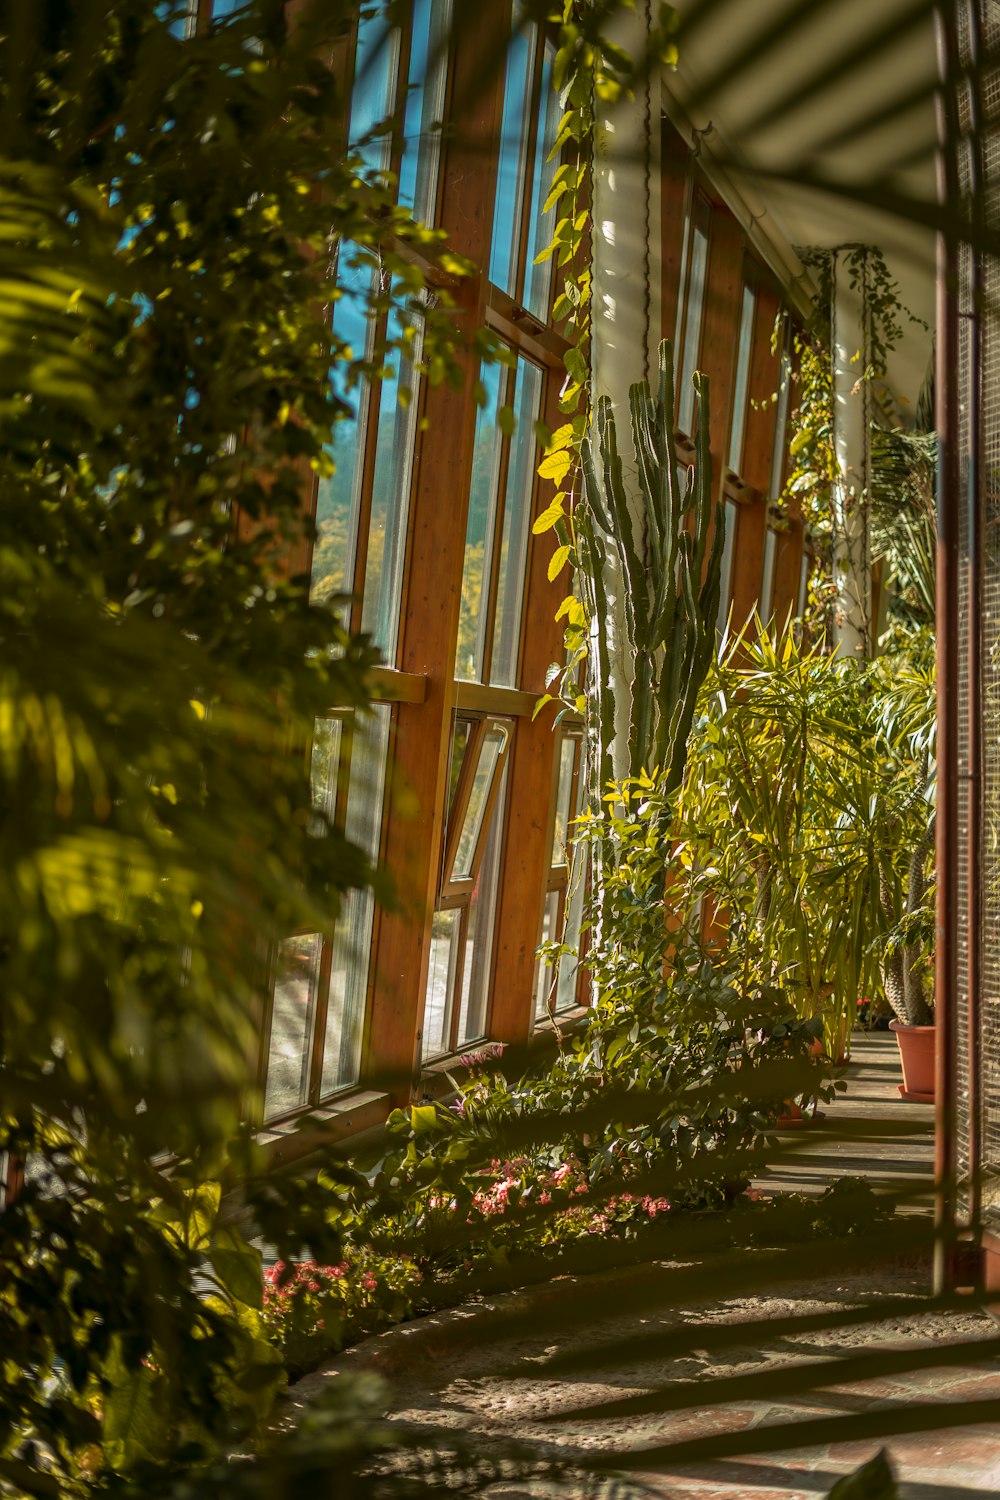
(327, 1125)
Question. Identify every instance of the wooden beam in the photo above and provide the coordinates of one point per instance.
(675, 185)
(720, 330)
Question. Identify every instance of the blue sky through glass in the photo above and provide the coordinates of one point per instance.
(374, 87)
(511, 170)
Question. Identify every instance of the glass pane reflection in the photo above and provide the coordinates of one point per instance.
(338, 498)
(493, 744)
(425, 100)
(517, 515)
(351, 948)
(512, 170)
(295, 988)
(479, 529)
(478, 965)
(742, 381)
(692, 330)
(441, 977)
(390, 500)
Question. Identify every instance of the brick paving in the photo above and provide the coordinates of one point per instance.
(942, 1464)
(445, 1374)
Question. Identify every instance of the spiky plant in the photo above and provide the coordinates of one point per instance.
(663, 535)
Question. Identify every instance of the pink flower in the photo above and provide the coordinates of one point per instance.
(545, 1197)
(369, 1282)
(561, 1173)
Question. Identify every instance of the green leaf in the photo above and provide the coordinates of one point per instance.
(556, 466)
(557, 562)
(423, 1117)
(133, 1425)
(549, 517)
(238, 1266)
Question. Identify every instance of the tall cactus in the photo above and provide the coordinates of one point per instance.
(670, 595)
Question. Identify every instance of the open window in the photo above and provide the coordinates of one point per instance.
(456, 999)
(562, 912)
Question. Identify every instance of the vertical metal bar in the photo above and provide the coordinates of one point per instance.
(947, 401)
(973, 564)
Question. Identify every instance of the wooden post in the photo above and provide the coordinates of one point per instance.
(429, 626)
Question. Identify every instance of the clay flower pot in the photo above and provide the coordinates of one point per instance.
(916, 1053)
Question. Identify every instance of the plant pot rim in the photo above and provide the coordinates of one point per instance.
(908, 1026)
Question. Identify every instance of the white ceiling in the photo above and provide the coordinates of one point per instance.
(763, 158)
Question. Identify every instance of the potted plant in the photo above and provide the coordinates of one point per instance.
(906, 736)
(777, 801)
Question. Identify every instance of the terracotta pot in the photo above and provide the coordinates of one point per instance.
(916, 1053)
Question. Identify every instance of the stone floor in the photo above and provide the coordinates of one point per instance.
(519, 1368)
(868, 1131)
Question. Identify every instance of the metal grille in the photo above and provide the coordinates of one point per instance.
(977, 1001)
(961, 1006)
(988, 500)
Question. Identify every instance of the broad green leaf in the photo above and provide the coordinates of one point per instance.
(238, 1266)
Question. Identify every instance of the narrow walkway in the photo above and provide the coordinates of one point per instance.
(867, 1132)
(468, 1372)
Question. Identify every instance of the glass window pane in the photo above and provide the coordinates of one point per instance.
(517, 515)
(479, 530)
(512, 170)
(338, 498)
(373, 95)
(543, 972)
(461, 735)
(564, 792)
(731, 517)
(569, 967)
(351, 948)
(390, 502)
(800, 603)
(781, 426)
(493, 745)
(428, 74)
(182, 25)
(742, 382)
(538, 279)
(767, 574)
(478, 966)
(681, 284)
(692, 330)
(325, 764)
(441, 975)
(295, 986)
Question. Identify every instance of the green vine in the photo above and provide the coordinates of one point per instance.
(589, 69)
(814, 469)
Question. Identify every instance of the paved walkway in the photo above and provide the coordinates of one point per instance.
(512, 1369)
(868, 1132)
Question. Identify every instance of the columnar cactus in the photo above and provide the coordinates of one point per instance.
(670, 577)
